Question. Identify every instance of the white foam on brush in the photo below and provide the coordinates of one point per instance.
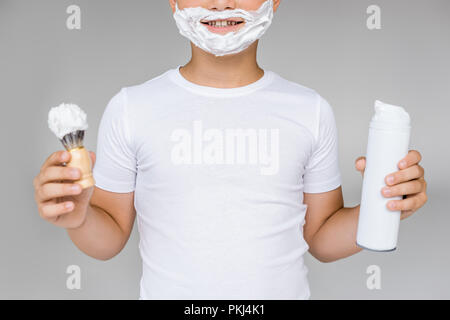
(65, 119)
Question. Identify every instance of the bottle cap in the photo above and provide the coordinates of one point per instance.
(390, 117)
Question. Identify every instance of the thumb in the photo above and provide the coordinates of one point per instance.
(93, 157)
(360, 165)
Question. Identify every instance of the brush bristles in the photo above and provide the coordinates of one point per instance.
(73, 140)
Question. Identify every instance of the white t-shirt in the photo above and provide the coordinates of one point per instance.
(219, 176)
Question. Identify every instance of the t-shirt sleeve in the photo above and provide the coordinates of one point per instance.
(322, 172)
(115, 167)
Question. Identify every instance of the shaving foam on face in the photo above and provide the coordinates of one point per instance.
(65, 119)
(256, 24)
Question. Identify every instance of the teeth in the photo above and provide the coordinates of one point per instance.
(222, 23)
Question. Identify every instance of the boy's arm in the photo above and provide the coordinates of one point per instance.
(330, 229)
(107, 226)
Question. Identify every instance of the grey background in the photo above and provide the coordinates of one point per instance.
(322, 44)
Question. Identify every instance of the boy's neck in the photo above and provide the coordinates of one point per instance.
(223, 72)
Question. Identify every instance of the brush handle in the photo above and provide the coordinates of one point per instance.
(81, 160)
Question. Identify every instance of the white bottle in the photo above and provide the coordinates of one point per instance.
(388, 143)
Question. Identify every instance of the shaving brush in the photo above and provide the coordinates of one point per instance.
(68, 123)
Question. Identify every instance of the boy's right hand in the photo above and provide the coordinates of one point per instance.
(60, 200)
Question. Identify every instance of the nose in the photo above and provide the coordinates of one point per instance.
(221, 5)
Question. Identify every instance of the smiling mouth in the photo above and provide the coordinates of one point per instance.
(224, 25)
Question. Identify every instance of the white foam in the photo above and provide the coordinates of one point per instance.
(66, 118)
(257, 22)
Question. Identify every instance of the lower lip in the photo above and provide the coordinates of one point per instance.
(223, 30)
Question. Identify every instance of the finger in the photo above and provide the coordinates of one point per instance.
(413, 157)
(53, 210)
(54, 173)
(57, 158)
(406, 214)
(406, 188)
(93, 157)
(360, 163)
(411, 173)
(57, 190)
(410, 203)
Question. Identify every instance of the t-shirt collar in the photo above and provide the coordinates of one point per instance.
(178, 78)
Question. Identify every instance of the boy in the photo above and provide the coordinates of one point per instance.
(232, 171)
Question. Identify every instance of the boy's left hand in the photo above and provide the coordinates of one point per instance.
(408, 182)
